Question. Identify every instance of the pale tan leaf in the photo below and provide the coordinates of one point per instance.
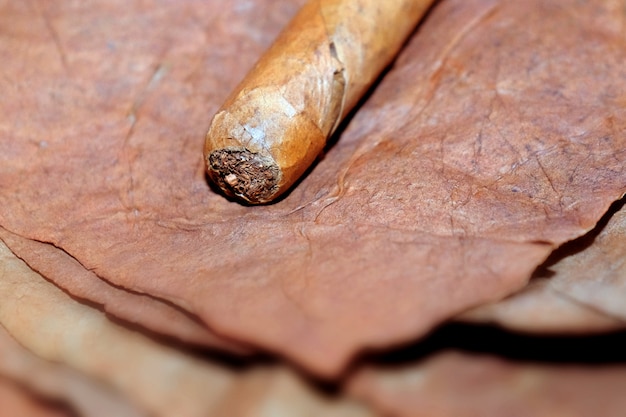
(56, 382)
(464, 385)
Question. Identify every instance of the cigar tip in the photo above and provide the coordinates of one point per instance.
(242, 173)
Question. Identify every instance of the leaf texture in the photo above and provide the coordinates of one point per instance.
(498, 135)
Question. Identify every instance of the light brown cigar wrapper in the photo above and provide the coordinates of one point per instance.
(273, 126)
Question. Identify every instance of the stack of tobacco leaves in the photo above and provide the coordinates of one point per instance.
(479, 182)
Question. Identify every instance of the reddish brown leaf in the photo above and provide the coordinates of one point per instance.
(498, 135)
(140, 309)
(580, 288)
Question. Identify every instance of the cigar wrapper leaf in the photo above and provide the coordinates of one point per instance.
(277, 121)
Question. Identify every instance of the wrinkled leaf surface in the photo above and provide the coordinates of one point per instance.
(499, 133)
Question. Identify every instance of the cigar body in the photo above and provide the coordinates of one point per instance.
(276, 122)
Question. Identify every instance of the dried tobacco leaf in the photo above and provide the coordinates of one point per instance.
(498, 135)
(56, 382)
(538, 308)
(160, 380)
(463, 385)
(595, 274)
(277, 391)
(140, 309)
(580, 288)
(16, 401)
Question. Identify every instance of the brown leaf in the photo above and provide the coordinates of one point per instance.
(140, 309)
(580, 288)
(498, 135)
(463, 385)
(160, 380)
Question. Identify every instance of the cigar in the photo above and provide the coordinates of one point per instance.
(277, 121)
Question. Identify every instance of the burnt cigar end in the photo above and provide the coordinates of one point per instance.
(244, 174)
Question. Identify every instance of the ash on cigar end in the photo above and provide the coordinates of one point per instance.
(242, 173)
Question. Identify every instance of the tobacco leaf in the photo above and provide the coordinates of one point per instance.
(139, 309)
(56, 382)
(159, 380)
(593, 270)
(460, 384)
(539, 308)
(498, 135)
(580, 288)
(57, 328)
(274, 391)
(16, 401)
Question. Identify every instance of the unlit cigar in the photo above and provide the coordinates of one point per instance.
(277, 121)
